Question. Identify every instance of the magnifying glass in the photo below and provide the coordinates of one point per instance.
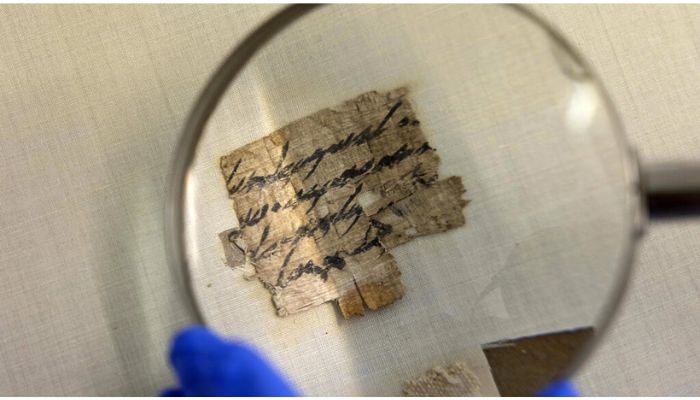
(390, 199)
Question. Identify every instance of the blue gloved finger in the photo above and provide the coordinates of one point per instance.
(209, 366)
(559, 388)
(172, 392)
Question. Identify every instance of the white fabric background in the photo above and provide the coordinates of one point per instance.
(93, 100)
(543, 233)
(648, 57)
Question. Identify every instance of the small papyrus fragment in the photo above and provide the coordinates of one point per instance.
(234, 250)
(443, 381)
(321, 201)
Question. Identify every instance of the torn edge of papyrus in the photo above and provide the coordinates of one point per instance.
(323, 200)
(450, 380)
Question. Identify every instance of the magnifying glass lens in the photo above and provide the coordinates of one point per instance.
(470, 152)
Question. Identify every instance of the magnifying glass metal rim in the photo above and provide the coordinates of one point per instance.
(175, 238)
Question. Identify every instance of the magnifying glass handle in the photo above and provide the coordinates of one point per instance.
(672, 189)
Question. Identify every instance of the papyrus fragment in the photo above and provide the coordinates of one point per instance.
(321, 201)
(454, 380)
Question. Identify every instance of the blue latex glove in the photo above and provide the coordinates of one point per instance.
(207, 365)
(560, 388)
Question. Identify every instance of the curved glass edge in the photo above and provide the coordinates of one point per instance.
(193, 130)
(237, 60)
(635, 211)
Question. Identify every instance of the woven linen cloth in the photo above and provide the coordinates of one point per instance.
(93, 99)
(544, 227)
(647, 57)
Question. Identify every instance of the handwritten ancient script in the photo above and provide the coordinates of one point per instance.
(321, 201)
